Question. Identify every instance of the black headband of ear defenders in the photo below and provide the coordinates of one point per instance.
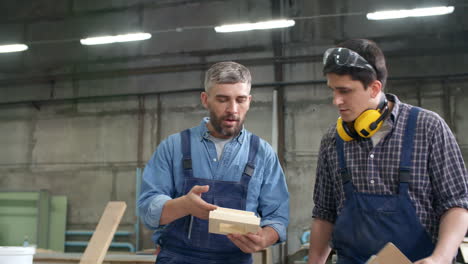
(335, 58)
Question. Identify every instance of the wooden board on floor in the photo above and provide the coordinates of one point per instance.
(105, 230)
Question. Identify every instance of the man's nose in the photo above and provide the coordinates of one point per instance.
(337, 100)
(232, 108)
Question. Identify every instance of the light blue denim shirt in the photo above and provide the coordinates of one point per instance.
(163, 177)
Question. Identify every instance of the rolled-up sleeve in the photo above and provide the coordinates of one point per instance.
(325, 206)
(157, 186)
(447, 169)
(153, 214)
(274, 196)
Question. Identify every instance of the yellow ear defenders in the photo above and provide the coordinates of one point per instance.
(367, 123)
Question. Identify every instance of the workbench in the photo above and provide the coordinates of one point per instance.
(67, 258)
(261, 257)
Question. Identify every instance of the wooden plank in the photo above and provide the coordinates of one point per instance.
(390, 254)
(105, 230)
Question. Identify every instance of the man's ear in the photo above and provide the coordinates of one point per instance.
(204, 99)
(376, 87)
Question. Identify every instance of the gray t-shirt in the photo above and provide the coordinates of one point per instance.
(381, 133)
(219, 143)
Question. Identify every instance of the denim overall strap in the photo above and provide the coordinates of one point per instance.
(407, 146)
(343, 170)
(250, 166)
(186, 153)
(423, 248)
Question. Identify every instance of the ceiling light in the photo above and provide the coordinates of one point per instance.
(13, 48)
(114, 39)
(417, 12)
(254, 26)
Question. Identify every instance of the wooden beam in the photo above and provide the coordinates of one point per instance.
(105, 230)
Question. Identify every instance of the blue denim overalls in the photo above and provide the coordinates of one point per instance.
(187, 240)
(368, 221)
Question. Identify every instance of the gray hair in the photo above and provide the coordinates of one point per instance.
(227, 72)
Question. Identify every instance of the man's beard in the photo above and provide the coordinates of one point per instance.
(228, 132)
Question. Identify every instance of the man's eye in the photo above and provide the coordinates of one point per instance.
(241, 100)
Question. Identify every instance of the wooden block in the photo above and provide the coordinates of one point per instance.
(235, 211)
(464, 251)
(105, 230)
(390, 254)
(228, 221)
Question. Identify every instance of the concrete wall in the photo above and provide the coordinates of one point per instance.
(79, 120)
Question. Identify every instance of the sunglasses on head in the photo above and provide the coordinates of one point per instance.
(343, 57)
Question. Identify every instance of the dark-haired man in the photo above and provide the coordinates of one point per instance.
(387, 171)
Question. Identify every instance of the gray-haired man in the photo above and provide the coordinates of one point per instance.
(218, 163)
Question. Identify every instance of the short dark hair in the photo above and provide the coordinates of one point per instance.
(369, 50)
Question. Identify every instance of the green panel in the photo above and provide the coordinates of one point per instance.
(58, 221)
(43, 206)
(36, 215)
(18, 217)
(18, 196)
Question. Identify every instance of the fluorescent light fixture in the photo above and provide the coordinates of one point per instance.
(13, 48)
(282, 23)
(417, 12)
(114, 39)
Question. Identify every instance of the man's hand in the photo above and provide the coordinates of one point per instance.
(191, 203)
(433, 260)
(195, 205)
(452, 230)
(250, 243)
